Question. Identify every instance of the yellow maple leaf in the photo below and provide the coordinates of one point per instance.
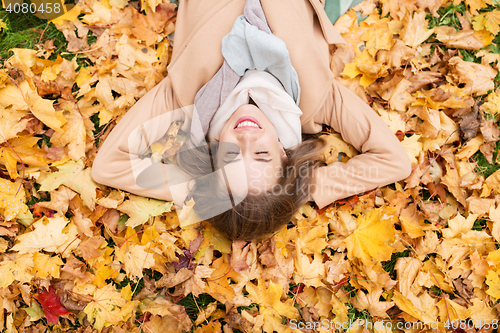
(44, 111)
(486, 38)
(405, 305)
(412, 222)
(335, 145)
(450, 310)
(470, 147)
(270, 297)
(49, 234)
(452, 182)
(491, 184)
(71, 15)
(380, 38)
(140, 209)
(424, 98)
(413, 147)
(22, 149)
(215, 237)
(148, 5)
(45, 265)
(108, 307)
(481, 313)
(414, 30)
(492, 105)
(72, 135)
(74, 176)
(371, 302)
(18, 269)
(351, 70)
(318, 298)
(84, 74)
(12, 199)
(60, 200)
(135, 259)
(438, 278)
(493, 282)
(307, 272)
(475, 5)
(373, 236)
(11, 123)
(366, 65)
(103, 267)
(218, 284)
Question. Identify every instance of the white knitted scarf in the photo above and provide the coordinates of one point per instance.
(271, 98)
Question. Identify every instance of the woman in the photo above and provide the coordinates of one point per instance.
(197, 58)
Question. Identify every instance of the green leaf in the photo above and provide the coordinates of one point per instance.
(35, 311)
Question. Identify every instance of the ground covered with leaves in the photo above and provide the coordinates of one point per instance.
(421, 254)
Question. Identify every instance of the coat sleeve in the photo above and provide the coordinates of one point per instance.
(119, 163)
(382, 161)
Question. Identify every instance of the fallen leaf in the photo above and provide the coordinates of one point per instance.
(140, 209)
(73, 175)
(49, 234)
(59, 200)
(51, 305)
(135, 259)
(415, 29)
(11, 123)
(45, 266)
(12, 199)
(371, 239)
(372, 303)
(463, 39)
(108, 307)
(489, 20)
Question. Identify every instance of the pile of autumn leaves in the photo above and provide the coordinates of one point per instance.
(73, 260)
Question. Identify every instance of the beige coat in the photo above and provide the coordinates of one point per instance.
(305, 28)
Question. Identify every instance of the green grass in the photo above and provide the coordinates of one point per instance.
(447, 17)
(24, 31)
(193, 305)
(483, 167)
(389, 265)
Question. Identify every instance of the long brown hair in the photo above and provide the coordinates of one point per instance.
(261, 214)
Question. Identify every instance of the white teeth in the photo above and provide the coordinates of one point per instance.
(247, 123)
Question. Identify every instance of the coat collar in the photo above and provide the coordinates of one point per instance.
(199, 57)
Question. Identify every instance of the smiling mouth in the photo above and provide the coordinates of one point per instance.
(247, 122)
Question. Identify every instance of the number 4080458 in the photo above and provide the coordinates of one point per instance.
(44, 9)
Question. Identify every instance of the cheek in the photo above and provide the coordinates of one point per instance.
(225, 135)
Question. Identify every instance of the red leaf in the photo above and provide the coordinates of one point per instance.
(51, 305)
(350, 201)
(41, 211)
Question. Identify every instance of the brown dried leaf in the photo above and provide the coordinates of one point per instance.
(490, 131)
(463, 39)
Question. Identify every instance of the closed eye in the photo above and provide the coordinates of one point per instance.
(262, 152)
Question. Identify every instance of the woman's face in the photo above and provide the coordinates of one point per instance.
(259, 149)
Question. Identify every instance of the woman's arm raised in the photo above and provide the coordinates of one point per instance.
(119, 163)
(382, 161)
